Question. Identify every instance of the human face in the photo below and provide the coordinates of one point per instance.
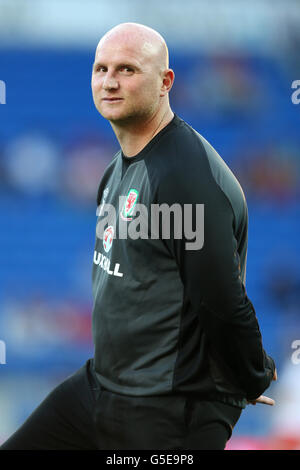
(125, 82)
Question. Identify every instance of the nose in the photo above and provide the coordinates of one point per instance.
(110, 82)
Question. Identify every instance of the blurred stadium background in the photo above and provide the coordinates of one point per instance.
(234, 64)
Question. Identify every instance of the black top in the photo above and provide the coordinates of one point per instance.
(171, 314)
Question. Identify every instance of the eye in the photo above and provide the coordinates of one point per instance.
(126, 69)
(100, 68)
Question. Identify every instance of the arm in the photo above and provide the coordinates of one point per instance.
(213, 285)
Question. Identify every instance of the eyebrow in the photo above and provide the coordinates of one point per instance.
(118, 65)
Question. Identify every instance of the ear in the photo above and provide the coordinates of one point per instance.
(167, 81)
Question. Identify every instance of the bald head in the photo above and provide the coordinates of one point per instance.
(147, 43)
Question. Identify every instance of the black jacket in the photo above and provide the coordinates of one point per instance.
(167, 319)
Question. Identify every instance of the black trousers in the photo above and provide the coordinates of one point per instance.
(79, 415)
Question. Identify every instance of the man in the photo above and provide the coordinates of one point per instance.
(178, 350)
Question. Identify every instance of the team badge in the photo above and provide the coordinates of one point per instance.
(129, 204)
(108, 237)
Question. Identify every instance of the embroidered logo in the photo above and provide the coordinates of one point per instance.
(108, 237)
(129, 204)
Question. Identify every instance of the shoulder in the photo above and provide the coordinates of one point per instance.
(108, 171)
(192, 170)
(178, 155)
(181, 158)
(197, 154)
(113, 162)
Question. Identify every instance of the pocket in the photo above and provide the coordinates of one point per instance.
(202, 413)
(230, 415)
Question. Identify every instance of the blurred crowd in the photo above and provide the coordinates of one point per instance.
(36, 165)
(242, 107)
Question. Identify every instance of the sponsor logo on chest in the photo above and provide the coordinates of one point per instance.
(104, 263)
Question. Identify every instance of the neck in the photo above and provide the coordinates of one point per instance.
(134, 137)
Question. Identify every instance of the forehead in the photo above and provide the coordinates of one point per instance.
(118, 50)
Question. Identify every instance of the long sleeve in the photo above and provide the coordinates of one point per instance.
(213, 282)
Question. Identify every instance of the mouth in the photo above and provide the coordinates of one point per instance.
(112, 100)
